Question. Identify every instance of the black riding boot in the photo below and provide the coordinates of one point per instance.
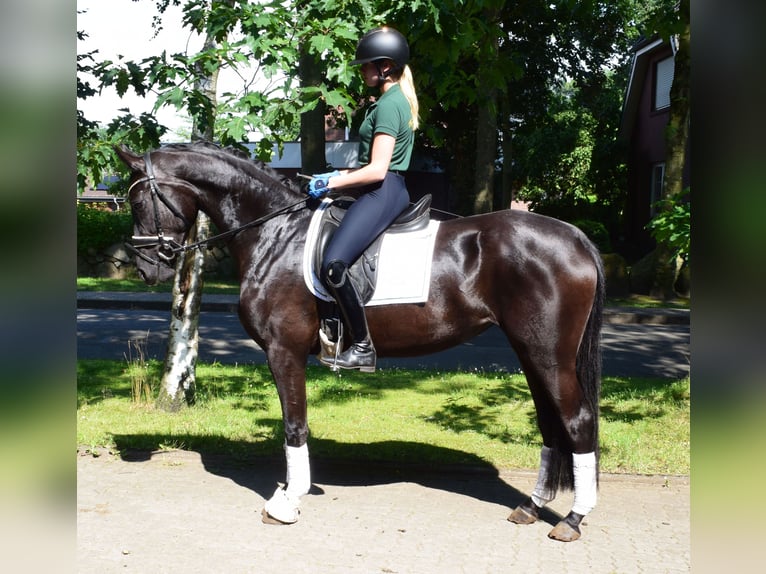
(361, 354)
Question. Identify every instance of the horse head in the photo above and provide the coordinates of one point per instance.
(163, 208)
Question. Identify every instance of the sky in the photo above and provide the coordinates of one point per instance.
(124, 27)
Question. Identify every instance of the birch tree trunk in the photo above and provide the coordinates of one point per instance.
(179, 372)
(179, 377)
(506, 127)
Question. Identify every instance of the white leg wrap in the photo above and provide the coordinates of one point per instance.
(585, 483)
(284, 505)
(542, 495)
(298, 470)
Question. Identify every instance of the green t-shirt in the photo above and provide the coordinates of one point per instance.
(390, 115)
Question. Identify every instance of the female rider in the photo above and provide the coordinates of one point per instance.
(385, 147)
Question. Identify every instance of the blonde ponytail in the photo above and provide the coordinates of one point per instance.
(407, 86)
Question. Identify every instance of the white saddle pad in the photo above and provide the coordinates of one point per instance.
(404, 264)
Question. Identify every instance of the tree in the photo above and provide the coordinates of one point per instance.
(488, 70)
(489, 73)
(179, 376)
(189, 82)
(568, 163)
(95, 144)
(673, 21)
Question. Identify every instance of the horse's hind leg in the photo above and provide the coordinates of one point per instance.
(568, 460)
(586, 491)
(529, 511)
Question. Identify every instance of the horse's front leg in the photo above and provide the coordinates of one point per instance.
(290, 376)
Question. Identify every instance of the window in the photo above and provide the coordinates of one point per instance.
(663, 79)
(658, 178)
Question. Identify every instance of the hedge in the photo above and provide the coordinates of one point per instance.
(98, 228)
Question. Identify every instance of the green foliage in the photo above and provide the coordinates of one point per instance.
(568, 163)
(672, 225)
(99, 228)
(556, 155)
(96, 158)
(663, 17)
(512, 57)
(596, 232)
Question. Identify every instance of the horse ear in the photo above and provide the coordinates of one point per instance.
(130, 159)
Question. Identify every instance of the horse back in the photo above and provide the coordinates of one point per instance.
(514, 245)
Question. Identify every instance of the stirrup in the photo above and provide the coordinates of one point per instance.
(329, 350)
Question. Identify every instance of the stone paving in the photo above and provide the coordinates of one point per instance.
(179, 511)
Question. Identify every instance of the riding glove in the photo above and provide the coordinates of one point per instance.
(318, 186)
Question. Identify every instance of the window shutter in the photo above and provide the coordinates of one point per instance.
(663, 81)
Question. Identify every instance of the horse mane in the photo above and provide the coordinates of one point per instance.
(213, 149)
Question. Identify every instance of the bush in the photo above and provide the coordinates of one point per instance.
(672, 225)
(98, 228)
(596, 232)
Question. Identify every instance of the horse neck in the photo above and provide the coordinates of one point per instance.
(235, 196)
(235, 202)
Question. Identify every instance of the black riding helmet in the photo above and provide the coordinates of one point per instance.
(382, 43)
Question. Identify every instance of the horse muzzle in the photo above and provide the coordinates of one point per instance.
(144, 247)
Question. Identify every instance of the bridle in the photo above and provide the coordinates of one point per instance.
(169, 248)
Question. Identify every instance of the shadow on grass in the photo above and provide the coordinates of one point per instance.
(361, 465)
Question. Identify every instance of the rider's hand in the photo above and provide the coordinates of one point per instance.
(319, 184)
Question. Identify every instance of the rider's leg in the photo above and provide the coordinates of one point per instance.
(361, 354)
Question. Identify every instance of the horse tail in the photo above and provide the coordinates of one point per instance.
(588, 364)
(588, 369)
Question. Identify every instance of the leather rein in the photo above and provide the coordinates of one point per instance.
(169, 247)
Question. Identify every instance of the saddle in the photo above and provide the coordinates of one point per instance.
(364, 271)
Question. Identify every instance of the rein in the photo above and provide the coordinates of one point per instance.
(169, 247)
(254, 223)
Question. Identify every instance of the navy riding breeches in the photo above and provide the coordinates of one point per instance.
(367, 218)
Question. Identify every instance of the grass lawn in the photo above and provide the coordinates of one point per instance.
(138, 286)
(395, 415)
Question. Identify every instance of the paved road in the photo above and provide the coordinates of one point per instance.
(182, 512)
(630, 349)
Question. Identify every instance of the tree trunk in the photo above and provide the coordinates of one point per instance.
(486, 127)
(179, 375)
(486, 152)
(676, 136)
(179, 371)
(313, 158)
(506, 191)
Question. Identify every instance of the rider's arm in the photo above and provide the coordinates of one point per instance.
(373, 172)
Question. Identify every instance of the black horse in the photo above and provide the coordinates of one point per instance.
(539, 279)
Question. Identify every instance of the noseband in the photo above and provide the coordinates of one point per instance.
(168, 247)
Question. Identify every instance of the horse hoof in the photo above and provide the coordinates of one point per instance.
(521, 516)
(267, 518)
(564, 532)
(281, 508)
